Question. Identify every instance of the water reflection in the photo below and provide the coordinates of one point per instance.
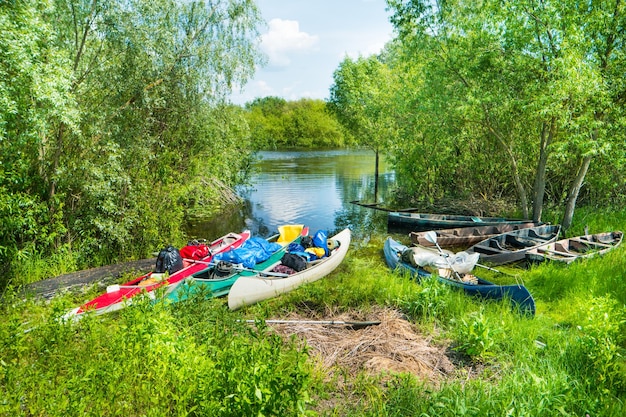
(309, 187)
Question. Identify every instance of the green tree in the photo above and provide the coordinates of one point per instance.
(265, 118)
(308, 123)
(119, 113)
(34, 96)
(150, 70)
(540, 79)
(362, 97)
(275, 122)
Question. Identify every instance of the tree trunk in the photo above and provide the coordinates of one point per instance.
(376, 178)
(573, 193)
(521, 192)
(58, 151)
(539, 190)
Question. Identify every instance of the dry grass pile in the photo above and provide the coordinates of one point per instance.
(392, 346)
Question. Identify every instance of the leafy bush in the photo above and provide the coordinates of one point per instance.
(476, 335)
(596, 351)
(145, 362)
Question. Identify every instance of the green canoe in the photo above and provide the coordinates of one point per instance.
(217, 279)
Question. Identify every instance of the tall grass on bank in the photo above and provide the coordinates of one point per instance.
(197, 358)
(567, 360)
(148, 360)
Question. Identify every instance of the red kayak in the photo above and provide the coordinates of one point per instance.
(119, 296)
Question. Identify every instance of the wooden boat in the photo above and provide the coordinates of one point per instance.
(118, 296)
(518, 294)
(250, 290)
(425, 221)
(580, 247)
(513, 246)
(214, 281)
(467, 236)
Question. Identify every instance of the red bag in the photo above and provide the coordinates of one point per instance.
(196, 252)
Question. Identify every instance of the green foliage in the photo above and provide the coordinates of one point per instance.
(306, 123)
(361, 97)
(33, 98)
(144, 362)
(595, 352)
(112, 115)
(506, 101)
(429, 300)
(476, 336)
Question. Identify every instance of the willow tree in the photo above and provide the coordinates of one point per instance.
(34, 95)
(135, 115)
(147, 74)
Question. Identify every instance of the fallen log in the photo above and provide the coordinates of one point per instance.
(103, 275)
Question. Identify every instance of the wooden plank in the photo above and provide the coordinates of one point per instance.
(104, 274)
(589, 242)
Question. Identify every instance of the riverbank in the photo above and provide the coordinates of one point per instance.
(436, 351)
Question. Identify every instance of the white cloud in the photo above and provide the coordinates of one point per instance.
(283, 38)
(264, 87)
(371, 49)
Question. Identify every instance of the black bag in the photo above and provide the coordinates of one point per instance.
(293, 261)
(169, 260)
(223, 269)
(306, 241)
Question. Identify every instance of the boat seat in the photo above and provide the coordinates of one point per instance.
(590, 242)
(536, 236)
(523, 242)
(491, 247)
(555, 252)
(496, 244)
(559, 246)
(228, 239)
(531, 233)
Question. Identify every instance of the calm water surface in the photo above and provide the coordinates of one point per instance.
(307, 187)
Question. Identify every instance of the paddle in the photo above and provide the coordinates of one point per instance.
(353, 324)
(241, 268)
(432, 238)
(494, 270)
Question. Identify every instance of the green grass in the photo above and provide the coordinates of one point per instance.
(197, 358)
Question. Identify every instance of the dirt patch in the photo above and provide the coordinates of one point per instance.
(393, 346)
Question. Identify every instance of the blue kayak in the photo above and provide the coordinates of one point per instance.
(518, 294)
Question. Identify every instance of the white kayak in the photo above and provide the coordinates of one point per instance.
(250, 290)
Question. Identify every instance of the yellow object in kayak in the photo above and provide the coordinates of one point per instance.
(288, 233)
(319, 252)
(155, 278)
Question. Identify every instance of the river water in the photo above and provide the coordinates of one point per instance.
(314, 188)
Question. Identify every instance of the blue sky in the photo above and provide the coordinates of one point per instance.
(305, 40)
